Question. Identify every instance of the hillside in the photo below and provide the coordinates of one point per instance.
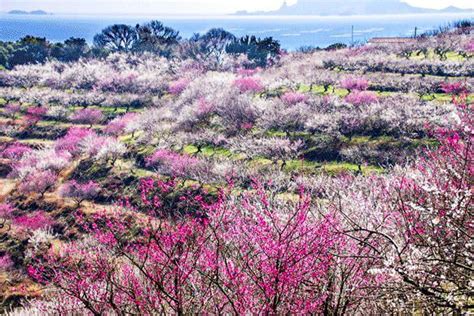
(326, 182)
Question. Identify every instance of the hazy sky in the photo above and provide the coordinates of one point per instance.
(178, 6)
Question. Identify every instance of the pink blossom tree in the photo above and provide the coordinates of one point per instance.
(34, 221)
(292, 98)
(71, 142)
(253, 254)
(360, 98)
(354, 83)
(15, 151)
(38, 182)
(119, 125)
(34, 114)
(88, 116)
(178, 86)
(248, 84)
(167, 162)
(12, 109)
(80, 192)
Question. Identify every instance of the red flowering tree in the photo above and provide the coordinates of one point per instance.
(253, 254)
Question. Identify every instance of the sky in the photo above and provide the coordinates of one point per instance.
(178, 6)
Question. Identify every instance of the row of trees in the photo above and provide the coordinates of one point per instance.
(30, 49)
(153, 37)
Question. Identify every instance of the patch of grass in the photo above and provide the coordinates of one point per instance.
(146, 150)
(428, 142)
(3, 101)
(335, 168)
(303, 166)
(208, 151)
(190, 149)
(341, 92)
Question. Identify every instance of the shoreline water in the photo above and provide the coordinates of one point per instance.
(292, 31)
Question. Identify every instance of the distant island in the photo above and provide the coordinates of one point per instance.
(35, 12)
(350, 7)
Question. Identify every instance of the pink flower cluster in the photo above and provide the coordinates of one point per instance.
(455, 88)
(6, 210)
(34, 221)
(470, 47)
(178, 86)
(247, 72)
(267, 261)
(118, 125)
(359, 98)
(38, 182)
(5, 262)
(248, 84)
(87, 116)
(292, 98)
(34, 114)
(72, 140)
(15, 151)
(11, 109)
(172, 163)
(204, 107)
(354, 83)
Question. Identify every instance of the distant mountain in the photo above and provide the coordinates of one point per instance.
(350, 7)
(36, 12)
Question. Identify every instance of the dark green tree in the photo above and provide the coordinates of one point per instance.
(117, 37)
(29, 50)
(157, 38)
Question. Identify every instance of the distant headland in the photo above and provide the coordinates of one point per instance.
(351, 7)
(35, 12)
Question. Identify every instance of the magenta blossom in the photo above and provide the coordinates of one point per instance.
(87, 116)
(6, 210)
(361, 98)
(292, 98)
(249, 84)
(34, 221)
(169, 162)
(15, 151)
(354, 83)
(178, 86)
(38, 182)
(72, 140)
(118, 125)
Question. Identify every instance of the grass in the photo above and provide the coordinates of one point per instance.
(441, 97)
(208, 151)
(107, 109)
(334, 168)
(68, 125)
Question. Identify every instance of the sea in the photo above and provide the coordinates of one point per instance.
(293, 32)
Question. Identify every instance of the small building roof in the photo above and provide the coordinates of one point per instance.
(391, 40)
